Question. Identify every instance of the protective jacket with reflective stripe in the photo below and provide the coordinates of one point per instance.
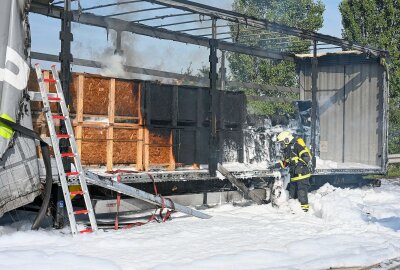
(297, 157)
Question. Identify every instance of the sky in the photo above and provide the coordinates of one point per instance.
(95, 43)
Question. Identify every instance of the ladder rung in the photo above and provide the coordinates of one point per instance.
(50, 80)
(71, 173)
(86, 231)
(62, 136)
(54, 99)
(76, 192)
(80, 212)
(58, 117)
(67, 154)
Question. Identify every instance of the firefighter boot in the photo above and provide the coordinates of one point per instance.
(305, 207)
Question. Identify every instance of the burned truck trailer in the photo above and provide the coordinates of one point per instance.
(180, 132)
(134, 125)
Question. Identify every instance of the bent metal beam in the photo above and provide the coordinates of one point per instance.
(141, 195)
(198, 81)
(121, 25)
(236, 17)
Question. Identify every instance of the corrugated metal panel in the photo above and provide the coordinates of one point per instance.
(351, 107)
(330, 99)
(361, 114)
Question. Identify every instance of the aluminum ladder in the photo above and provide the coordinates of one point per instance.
(55, 139)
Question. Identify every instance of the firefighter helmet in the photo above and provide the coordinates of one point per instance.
(285, 137)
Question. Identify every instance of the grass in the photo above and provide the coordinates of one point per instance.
(393, 171)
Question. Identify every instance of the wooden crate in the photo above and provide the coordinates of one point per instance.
(93, 145)
(125, 145)
(108, 123)
(120, 137)
(158, 148)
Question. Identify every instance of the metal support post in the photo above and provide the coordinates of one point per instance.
(214, 28)
(213, 154)
(222, 71)
(59, 210)
(204, 198)
(65, 56)
(118, 44)
(66, 38)
(314, 79)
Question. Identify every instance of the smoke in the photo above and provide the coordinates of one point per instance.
(159, 54)
(142, 51)
(112, 65)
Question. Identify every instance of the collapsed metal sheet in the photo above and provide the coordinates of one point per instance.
(19, 173)
(261, 132)
(19, 178)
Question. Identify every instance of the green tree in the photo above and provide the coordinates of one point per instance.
(377, 23)
(305, 14)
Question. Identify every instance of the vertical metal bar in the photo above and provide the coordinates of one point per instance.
(344, 114)
(385, 113)
(314, 102)
(223, 133)
(118, 44)
(213, 154)
(59, 212)
(243, 113)
(302, 94)
(214, 28)
(199, 127)
(222, 71)
(204, 198)
(175, 105)
(147, 104)
(65, 56)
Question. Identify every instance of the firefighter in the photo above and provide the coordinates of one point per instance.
(297, 157)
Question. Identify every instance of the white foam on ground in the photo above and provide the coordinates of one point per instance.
(344, 228)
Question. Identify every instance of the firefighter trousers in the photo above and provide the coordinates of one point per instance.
(299, 190)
